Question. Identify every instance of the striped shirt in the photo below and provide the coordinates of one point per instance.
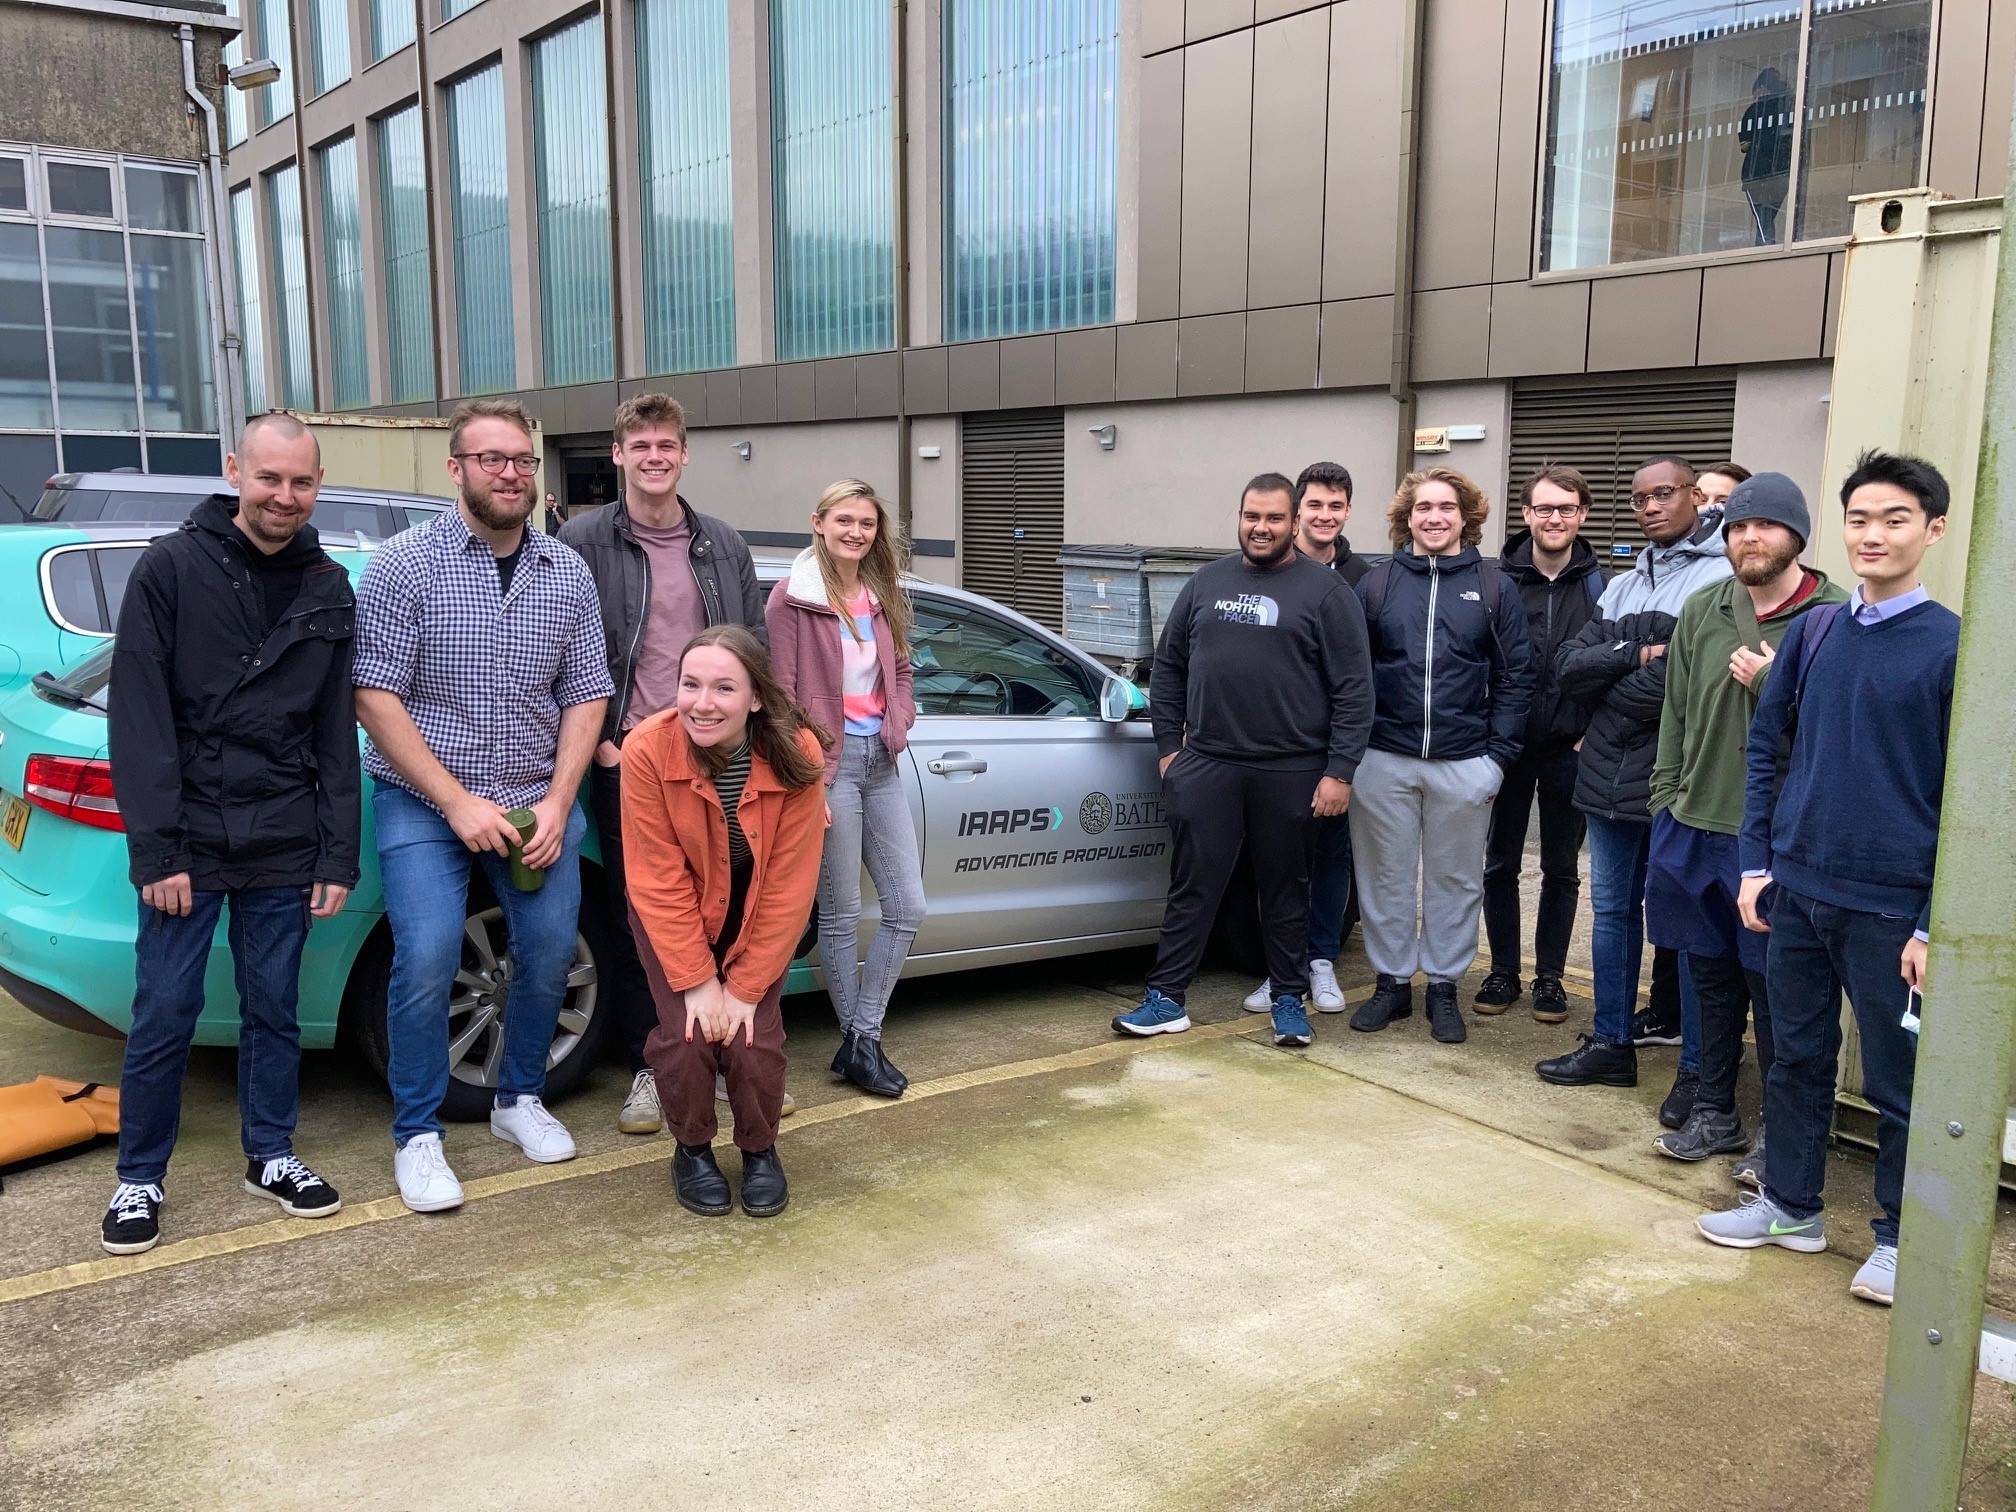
(728, 786)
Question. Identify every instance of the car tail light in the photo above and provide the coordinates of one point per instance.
(76, 789)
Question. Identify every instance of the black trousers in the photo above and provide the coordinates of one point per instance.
(1728, 995)
(1550, 779)
(1213, 808)
(623, 984)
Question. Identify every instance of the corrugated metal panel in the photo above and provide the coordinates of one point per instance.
(1606, 427)
(571, 146)
(391, 26)
(343, 260)
(290, 287)
(833, 161)
(330, 42)
(1011, 510)
(409, 295)
(251, 319)
(685, 161)
(1032, 147)
(480, 195)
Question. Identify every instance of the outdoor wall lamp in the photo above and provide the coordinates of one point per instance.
(256, 74)
(1107, 434)
(741, 449)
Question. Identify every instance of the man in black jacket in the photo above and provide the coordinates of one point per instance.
(234, 765)
(664, 572)
(1559, 581)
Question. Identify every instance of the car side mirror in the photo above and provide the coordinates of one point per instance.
(1116, 701)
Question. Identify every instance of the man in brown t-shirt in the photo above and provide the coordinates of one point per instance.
(664, 572)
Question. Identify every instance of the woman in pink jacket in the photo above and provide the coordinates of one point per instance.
(840, 642)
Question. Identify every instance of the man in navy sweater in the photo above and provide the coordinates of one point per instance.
(1838, 871)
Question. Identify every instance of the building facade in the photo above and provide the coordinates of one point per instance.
(1071, 271)
(113, 341)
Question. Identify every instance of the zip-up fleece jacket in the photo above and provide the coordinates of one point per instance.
(234, 747)
(1556, 610)
(676, 834)
(1453, 674)
(622, 573)
(805, 634)
(1704, 730)
(1665, 577)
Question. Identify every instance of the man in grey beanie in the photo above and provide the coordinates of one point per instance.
(1716, 665)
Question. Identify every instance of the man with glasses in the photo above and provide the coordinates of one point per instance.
(1616, 666)
(481, 681)
(1559, 581)
(664, 572)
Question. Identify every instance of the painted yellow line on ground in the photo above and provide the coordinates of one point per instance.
(387, 1209)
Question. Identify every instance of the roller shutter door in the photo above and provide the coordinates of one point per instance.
(1011, 510)
(1606, 427)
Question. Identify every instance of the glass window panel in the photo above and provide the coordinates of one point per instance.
(409, 294)
(276, 41)
(831, 148)
(1032, 144)
(453, 8)
(571, 150)
(100, 453)
(684, 160)
(73, 591)
(234, 99)
(343, 262)
(331, 42)
(89, 310)
(1865, 106)
(1653, 106)
(391, 26)
(13, 184)
(290, 288)
(969, 663)
(79, 189)
(251, 323)
(157, 200)
(115, 570)
(25, 465)
(195, 456)
(479, 197)
(172, 317)
(24, 346)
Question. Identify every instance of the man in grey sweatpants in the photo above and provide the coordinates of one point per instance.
(1452, 674)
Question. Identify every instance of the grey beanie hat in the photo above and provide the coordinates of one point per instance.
(1769, 496)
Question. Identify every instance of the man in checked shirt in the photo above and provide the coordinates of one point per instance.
(481, 681)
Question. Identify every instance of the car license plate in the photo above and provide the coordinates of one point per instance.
(14, 820)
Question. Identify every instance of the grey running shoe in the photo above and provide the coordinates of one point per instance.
(1758, 1221)
(1749, 1169)
(1877, 1280)
(1708, 1131)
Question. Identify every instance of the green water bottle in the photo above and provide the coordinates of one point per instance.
(524, 878)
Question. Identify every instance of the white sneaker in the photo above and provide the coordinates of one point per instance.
(641, 1113)
(1324, 993)
(1876, 1281)
(538, 1133)
(426, 1185)
(1260, 999)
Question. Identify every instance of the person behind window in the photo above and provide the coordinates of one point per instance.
(1765, 137)
(840, 634)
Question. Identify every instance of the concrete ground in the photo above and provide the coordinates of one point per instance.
(1067, 1270)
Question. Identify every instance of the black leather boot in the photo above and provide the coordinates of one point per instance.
(764, 1192)
(844, 1054)
(1445, 1018)
(869, 1069)
(1594, 1063)
(697, 1178)
(1392, 999)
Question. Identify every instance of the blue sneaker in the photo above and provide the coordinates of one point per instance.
(1156, 1016)
(1291, 1022)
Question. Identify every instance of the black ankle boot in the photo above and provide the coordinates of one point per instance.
(1393, 999)
(764, 1192)
(845, 1053)
(869, 1069)
(697, 1179)
(1445, 1019)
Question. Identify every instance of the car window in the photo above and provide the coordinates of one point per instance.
(969, 662)
(115, 567)
(418, 516)
(146, 508)
(69, 504)
(348, 515)
(73, 593)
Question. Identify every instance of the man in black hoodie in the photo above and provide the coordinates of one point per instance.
(234, 765)
(1559, 582)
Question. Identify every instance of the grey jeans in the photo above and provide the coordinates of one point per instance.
(871, 827)
(1417, 831)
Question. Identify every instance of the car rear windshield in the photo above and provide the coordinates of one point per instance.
(83, 686)
(117, 506)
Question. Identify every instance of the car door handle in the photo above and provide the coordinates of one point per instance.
(945, 765)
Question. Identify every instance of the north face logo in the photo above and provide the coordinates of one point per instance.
(1472, 595)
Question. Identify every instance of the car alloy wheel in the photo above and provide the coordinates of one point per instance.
(483, 989)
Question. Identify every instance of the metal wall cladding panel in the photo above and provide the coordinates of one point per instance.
(1606, 428)
(251, 317)
(1217, 172)
(1011, 510)
(1284, 256)
(290, 287)
(409, 286)
(1361, 174)
(685, 163)
(343, 270)
(570, 134)
(480, 198)
(1160, 258)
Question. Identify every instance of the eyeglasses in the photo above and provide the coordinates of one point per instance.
(494, 463)
(1554, 511)
(1662, 495)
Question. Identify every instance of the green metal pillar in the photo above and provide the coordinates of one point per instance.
(1962, 1088)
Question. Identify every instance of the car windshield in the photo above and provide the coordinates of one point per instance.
(83, 686)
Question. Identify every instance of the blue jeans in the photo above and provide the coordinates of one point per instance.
(1618, 851)
(871, 826)
(1330, 913)
(426, 875)
(269, 925)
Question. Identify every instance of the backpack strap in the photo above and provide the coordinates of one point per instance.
(1819, 620)
(1594, 583)
(1372, 589)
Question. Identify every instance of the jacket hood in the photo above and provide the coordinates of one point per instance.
(1469, 556)
(1706, 541)
(218, 516)
(806, 587)
(1517, 558)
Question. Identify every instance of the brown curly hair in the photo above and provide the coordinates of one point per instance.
(1471, 502)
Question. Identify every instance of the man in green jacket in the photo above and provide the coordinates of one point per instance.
(1716, 663)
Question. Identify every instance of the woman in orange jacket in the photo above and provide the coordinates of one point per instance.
(724, 817)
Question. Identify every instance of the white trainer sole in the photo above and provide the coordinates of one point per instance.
(571, 1152)
(288, 1208)
(1793, 1242)
(1174, 1026)
(129, 1249)
(438, 1205)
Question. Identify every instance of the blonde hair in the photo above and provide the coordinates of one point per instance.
(881, 569)
(1471, 503)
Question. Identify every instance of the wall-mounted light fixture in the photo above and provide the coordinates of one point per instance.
(256, 74)
(930, 453)
(1107, 434)
(741, 449)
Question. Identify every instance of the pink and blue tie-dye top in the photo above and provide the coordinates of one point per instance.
(861, 697)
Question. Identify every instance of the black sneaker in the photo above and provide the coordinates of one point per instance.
(133, 1221)
(1594, 1063)
(1648, 1030)
(298, 1190)
(698, 1182)
(1445, 1019)
(1499, 992)
(1391, 999)
(1680, 1101)
(1708, 1131)
(764, 1192)
(1550, 1002)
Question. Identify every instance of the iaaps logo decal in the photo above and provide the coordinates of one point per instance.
(1033, 821)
